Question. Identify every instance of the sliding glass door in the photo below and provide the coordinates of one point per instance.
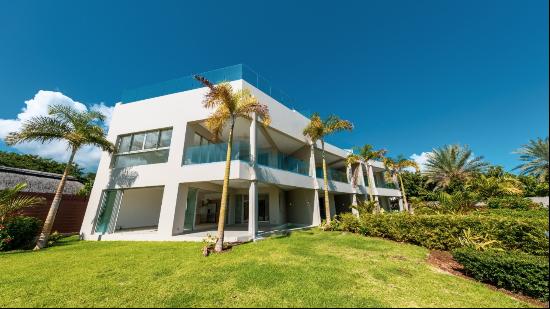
(108, 212)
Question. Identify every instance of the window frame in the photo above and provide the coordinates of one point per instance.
(142, 150)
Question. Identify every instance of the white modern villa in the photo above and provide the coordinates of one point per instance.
(164, 181)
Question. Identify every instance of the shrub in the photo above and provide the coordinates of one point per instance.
(541, 213)
(514, 271)
(364, 207)
(19, 233)
(345, 222)
(511, 202)
(443, 232)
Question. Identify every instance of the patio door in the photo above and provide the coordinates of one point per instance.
(108, 211)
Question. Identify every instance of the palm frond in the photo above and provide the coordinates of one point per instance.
(41, 129)
(535, 155)
(12, 201)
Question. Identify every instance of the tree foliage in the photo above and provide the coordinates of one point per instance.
(36, 163)
(535, 158)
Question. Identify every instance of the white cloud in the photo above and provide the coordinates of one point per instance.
(87, 157)
(420, 159)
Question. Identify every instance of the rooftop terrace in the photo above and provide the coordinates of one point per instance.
(231, 73)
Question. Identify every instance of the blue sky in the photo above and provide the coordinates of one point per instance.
(411, 75)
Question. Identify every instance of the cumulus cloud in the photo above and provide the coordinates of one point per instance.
(420, 159)
(87, 157)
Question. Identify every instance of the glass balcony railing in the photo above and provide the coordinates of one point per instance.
(241, 151)
(215, 153)
(227, 74)
(278, 160)
(333, 174)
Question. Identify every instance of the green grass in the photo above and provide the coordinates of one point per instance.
(308, 268)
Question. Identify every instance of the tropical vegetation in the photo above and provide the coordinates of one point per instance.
(535, 158)
(12, 200)
(452, 164)
(317, 130)
(395, 169)
(16, 231)
(229, 105)
(363, 156)
(64, 123)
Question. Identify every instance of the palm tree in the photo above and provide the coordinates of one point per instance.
(229, 105)
(452, 163)
(364, 155)
(395, 168)
(535, 156)
(63, 123)
(317, 130)
(11, 201)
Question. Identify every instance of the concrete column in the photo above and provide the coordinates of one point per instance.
(354, 211)
(372, 181)
(253, 190)
(253, 210)
(316, 221)
(168, 208)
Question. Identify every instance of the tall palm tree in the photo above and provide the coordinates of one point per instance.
(395, 168)
(317, 130)
(535, 156)
(364, 155)
(11, 201)
(63, 123)
(229, 105)
(452, 163)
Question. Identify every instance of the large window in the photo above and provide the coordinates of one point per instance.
(143, 148)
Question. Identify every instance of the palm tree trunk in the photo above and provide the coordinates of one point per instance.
(325, 178)
(223, 205)
(48, 224)
(405, 203)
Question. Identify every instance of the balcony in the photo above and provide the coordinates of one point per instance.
(227, 74)
(241, 151)
(278, 160)
(216, 153)
(333, 174)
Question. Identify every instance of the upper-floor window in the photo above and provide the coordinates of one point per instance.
(143, 148)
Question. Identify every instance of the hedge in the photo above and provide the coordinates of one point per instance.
(442, 232)
(19, 233)
(514, 271)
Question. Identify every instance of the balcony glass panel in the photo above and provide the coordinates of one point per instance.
(241, 151)
(186, 83)
(333, 174)
(278, 160)
(216, 153)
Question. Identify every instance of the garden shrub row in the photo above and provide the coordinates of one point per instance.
(443, 232)
(514, 271)
(511, 202)
(19, 233)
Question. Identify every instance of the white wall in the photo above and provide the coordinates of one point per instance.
(140, 208)
(299, 207)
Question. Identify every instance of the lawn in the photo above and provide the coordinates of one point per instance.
(308, 268)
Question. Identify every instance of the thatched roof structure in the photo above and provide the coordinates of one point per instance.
(37, 182)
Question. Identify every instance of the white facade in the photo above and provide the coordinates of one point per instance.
(178, 192)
